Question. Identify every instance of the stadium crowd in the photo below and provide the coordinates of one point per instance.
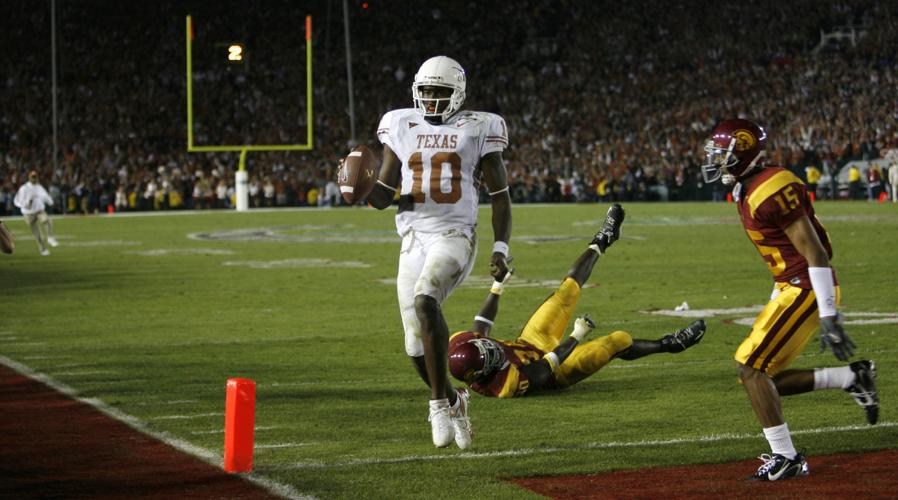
(604, 100)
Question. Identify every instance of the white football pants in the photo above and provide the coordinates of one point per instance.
(432, 264)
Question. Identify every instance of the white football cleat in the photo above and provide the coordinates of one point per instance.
(440, 423)
(52, 241)
(461, 422)
(45, 252)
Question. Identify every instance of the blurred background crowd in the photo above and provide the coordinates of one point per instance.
(603, 100)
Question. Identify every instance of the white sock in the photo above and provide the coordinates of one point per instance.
(833, 378)
(780, 441)
(436, 404)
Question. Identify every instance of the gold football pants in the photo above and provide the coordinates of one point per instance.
(782, 330)
(546, 327)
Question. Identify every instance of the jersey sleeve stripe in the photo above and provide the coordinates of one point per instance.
(770, 187)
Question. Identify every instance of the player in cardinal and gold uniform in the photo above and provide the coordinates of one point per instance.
(779, 219)
(539, 359)
(435, 156)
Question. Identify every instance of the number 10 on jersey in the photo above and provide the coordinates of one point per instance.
(438, 161)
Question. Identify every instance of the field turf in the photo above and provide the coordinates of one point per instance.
(151, 315)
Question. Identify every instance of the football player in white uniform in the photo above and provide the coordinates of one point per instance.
(435, 156)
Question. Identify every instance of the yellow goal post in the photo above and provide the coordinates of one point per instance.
(245, 148)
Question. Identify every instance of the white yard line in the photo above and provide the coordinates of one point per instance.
(280, 445)
(206, 455)
(188, 417)
(76, 373)
(174, 402)
(585, 446)
(221, 431)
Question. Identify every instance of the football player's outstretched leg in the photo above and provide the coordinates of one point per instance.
(540, 358)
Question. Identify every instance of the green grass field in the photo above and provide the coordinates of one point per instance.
(151, 315)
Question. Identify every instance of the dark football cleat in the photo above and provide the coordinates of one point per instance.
(610, 231)
(685, 338)
(863, 389)
(777, 467)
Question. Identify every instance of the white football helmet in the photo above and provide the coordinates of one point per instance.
(439, 71)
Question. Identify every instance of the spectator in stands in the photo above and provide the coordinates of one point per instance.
(893, 179)
(874, 182)
(812, 177)
(854, 182)
(119, 122)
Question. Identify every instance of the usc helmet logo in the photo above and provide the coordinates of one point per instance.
(745, 140)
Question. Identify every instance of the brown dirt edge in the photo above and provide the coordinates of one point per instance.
(52, 446)
(844, 475)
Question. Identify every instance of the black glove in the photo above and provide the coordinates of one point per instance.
(833, 336)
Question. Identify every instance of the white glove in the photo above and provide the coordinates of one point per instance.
(582, 326)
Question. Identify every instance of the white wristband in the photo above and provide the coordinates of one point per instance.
(824, 289)
(497, 288)
(483, 320)
(386, 186)
(501, 247)
(552, 358)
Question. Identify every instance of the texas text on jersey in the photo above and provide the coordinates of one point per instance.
(775, 199)
(439, 165)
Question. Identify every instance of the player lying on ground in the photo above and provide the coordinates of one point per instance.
(538, 359)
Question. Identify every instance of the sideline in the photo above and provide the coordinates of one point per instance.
(133, 422)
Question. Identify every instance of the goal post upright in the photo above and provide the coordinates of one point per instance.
(243, 149)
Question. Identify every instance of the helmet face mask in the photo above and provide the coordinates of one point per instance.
(438, 91)
(718, 161)
(476, 360)
(433, 100)
(734, 151)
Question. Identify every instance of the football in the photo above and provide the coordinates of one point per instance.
(358, 174)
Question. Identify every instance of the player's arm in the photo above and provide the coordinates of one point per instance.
(801, 233)
(384, 190)
(6, 243)
(483, 322)
(496, 178)
(539, 373)
(21, 198)
(46, 196)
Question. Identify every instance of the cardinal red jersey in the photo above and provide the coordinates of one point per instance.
(509, 381)
(775, 199)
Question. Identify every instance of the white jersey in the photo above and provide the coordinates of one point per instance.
(32, 198)
(440, 165)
